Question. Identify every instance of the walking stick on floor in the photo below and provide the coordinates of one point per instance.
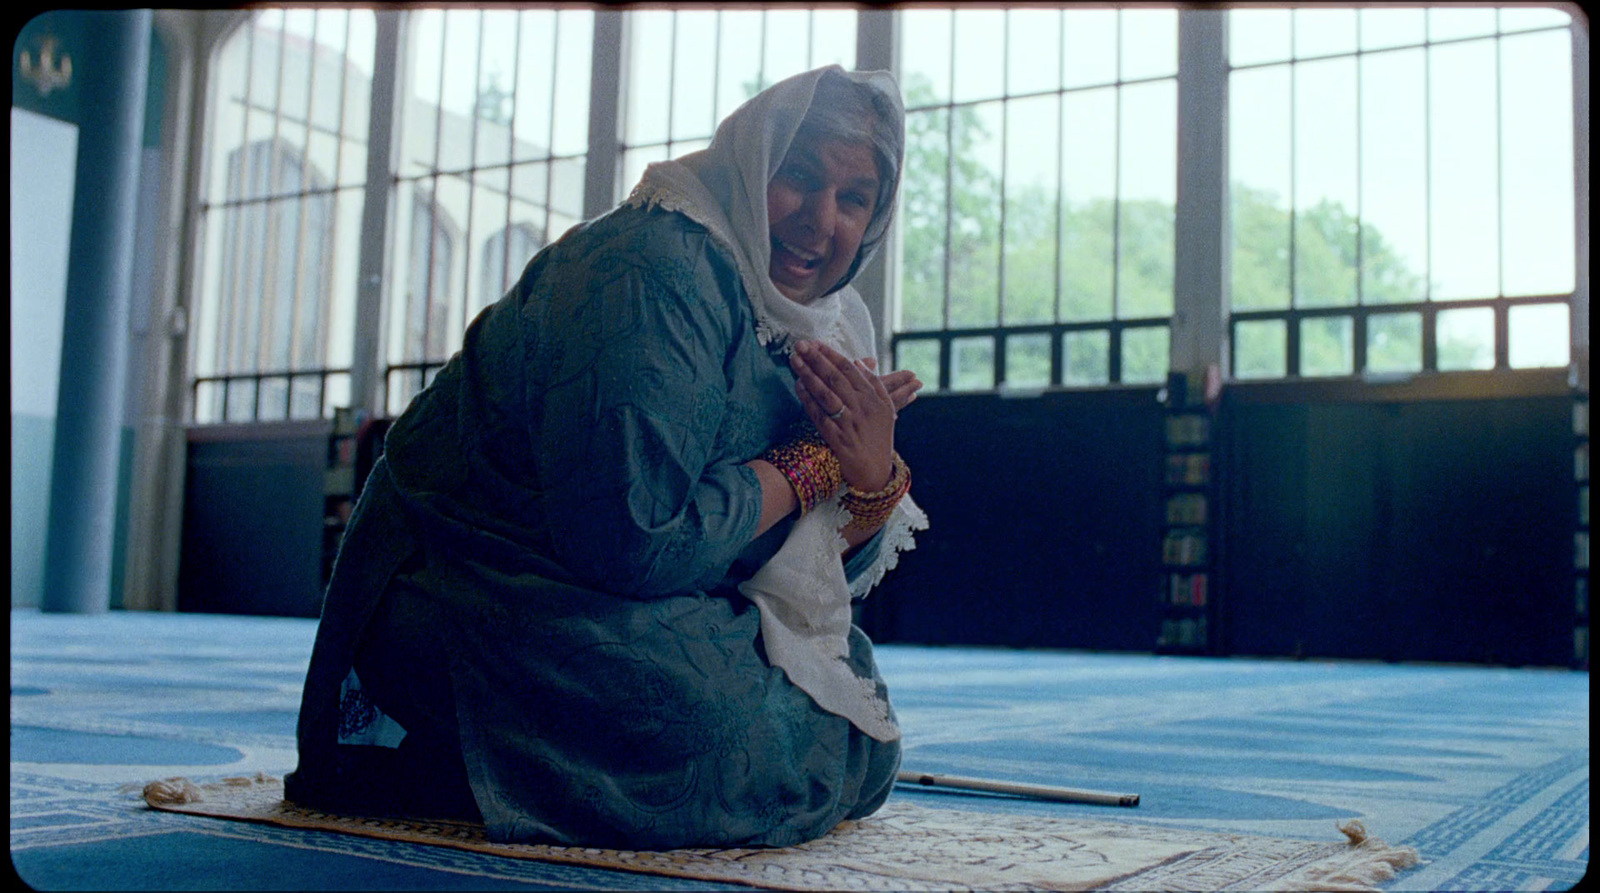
(1036, 791)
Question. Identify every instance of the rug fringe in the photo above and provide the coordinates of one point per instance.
(1354, 830)
(1373, 862)
(169, 791)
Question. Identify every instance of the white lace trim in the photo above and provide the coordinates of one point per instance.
(803, 600)
(898, 536)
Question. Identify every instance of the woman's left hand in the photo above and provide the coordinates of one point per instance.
(851, 408)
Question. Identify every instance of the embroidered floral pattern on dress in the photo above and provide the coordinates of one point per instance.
(360, 720)
(357, 713)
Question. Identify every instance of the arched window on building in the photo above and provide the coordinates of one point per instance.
(280, 209)
(504, 255)
(275, 284)
(422, 300)
(497, 147)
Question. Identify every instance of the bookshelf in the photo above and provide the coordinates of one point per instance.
(339, 487)
(1580, 539)
(1186, 593)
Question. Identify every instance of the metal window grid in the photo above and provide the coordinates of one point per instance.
(312, 289)
(1114, 327)
(671, 147)
(603, 145)
(470, 175)
(1361, 312)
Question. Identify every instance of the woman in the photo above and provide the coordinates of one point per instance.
(597, 590)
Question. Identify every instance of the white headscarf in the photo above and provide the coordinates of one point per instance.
(801, 592)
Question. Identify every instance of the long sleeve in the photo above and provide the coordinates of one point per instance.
(638, 500)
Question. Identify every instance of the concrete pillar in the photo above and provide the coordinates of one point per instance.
(1201, 262)
(109, 74)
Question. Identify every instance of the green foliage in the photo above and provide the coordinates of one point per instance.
(1327, 268)
(1102, 260)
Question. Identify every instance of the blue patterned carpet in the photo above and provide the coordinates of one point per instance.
(1484, 770)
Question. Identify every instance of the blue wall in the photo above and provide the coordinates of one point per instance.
(43, 158)
(44, 154)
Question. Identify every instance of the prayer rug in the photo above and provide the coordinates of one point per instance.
(902, 847)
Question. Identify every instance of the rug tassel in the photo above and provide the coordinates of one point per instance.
(1381, 863)
(1354, 830)
(171, 790)
(244, 781)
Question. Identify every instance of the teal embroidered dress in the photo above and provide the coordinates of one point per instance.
(539, 586)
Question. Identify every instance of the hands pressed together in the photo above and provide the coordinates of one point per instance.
(853, 408)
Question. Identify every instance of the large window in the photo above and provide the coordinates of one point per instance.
(492, 141)
(1396, 185)
(281, 216)
(686, 70)
(1402, 190)
(1036, 214)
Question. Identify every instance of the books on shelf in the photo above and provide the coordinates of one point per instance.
(344, 449)
(1186, 510)
(1188, 430)
(346, 420)
(1189, 469)
(1185, 632)
(1187, 589)
(1188, 585)
(1184, 547)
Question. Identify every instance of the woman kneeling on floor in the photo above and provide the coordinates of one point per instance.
(597, 590)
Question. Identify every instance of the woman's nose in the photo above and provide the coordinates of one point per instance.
(820, 210)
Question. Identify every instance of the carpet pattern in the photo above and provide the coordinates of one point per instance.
(1485, 771)
(901, 847)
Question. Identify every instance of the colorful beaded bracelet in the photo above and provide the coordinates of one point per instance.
(869, 511)
(809, 465)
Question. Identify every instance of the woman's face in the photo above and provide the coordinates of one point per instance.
(818, 207)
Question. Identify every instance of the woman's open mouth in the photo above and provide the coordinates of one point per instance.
(793, 262)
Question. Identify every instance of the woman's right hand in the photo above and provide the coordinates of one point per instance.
(852, 408)
(902, 384)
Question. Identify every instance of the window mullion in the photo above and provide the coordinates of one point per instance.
(1580, 135)
(1000, 237)
(470, 182)
(325, 320)
(949, 202)
(298, 299)
(431, 267)
(1200, 268)
(231, 303)
(365, 374)
(876, 35)
(1116, 204)
(549, 165)
(607, 84)
(511, 142)
(272, 209)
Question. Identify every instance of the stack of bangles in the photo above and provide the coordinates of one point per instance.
(814, 472)
(809, 465)
(869, 511)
